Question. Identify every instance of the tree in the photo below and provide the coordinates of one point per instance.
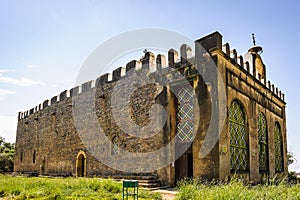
(292, 175)
(291, 157)
(7, 152)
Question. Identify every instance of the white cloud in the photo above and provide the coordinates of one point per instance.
(6, 70)
(8, 127)
(6, 92)
(32, 66)
(20, 82)
(2, 71)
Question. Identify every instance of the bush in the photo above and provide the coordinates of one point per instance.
(236, 189)
(112, 186)
(292, 177)
(7, 151)
(2, 193)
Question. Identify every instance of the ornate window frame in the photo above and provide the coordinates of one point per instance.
(185, 114)
(239, 137)
(263, 145)
(278, 150)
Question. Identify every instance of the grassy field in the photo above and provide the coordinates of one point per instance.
(93, 188)
(236, 190)
(64, 188)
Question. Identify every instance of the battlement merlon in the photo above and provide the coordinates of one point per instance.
(64, 95)
(253, 60)
(213, 40)
(153, 64)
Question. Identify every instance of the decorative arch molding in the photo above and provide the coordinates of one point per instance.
(81, 164)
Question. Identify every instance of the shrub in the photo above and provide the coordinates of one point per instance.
(236, 189)
(292, 178)
(1, 193)
(7, 151)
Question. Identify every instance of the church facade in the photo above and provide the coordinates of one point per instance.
(248, 137)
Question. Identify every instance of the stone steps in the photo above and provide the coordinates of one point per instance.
(145, 180)
(156, 184)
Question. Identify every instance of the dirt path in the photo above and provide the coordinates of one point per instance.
(167, 194)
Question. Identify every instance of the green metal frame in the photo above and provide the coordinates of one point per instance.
(263, 144)
(239, 147)
(278, 148)
(130, 188)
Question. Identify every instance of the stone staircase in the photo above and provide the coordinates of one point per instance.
(145, 180)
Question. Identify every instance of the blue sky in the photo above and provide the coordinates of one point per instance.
(44, 43)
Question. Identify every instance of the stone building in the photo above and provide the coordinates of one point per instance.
(61, 135)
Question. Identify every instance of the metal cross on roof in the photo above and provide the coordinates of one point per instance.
(253, 38)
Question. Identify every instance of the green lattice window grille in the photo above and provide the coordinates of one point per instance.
(115, 146)
(239, 152)
(278, 149)
(263, 143)
(185, 115)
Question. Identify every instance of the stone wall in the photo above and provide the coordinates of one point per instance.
(256, 96)
(52, 135)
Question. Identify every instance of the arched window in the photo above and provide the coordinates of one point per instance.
(263, 143)
(115, 146)
(278, 148)
(239, 152)
(21, 157)
(33, 156)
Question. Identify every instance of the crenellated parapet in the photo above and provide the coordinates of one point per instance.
(148, 62)
(250, 66)
(174, 59)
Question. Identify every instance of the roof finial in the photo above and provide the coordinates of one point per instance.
(255, 49)
(253, 39)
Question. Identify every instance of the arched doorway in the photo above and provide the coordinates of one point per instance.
(81, 164)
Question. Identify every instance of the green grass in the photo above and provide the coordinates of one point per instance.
(236, 189)
(107, 189)
(64, 188)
